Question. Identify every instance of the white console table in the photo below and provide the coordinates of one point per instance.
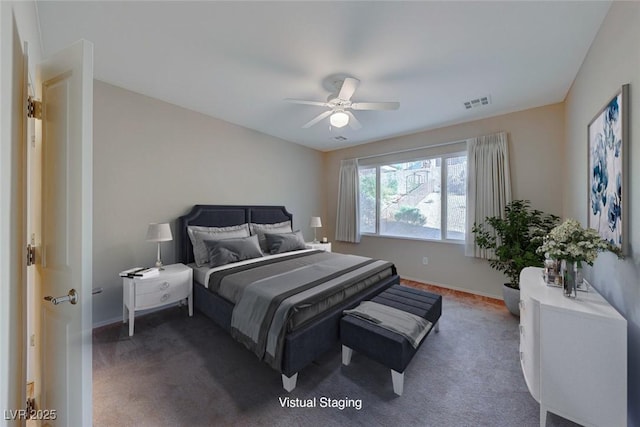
(573, 353)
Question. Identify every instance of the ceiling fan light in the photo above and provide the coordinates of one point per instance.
(339, 119)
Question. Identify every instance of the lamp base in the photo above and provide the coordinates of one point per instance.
(158, 260)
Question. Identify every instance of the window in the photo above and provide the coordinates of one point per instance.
(405, 199)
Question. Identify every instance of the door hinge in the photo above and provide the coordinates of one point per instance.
(31, 407)
(31, 401)
(31, 255)
(34, 108)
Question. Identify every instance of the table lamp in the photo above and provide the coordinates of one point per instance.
(159, 233)
(315, 223)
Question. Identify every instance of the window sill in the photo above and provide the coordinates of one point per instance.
(383, 236)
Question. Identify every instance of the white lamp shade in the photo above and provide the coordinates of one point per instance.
(315, 222)
(339, 119)
(159, 232)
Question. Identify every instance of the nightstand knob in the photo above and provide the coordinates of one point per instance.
(164, 297)
(164, 285)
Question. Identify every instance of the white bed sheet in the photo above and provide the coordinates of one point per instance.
(201, 274)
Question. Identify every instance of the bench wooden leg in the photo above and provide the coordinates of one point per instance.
(398, 382)
(289, 383)
(346, 355)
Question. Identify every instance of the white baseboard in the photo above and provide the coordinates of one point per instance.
(442, 285)
(138, 313)
(107, 322)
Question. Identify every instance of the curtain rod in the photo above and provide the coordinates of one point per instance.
(412, 149)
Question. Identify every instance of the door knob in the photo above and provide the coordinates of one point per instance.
(72, 297)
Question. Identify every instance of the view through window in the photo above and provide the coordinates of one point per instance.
(405, 199)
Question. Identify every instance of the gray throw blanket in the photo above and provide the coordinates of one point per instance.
(412, 327)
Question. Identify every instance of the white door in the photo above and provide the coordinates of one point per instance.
(65, 86)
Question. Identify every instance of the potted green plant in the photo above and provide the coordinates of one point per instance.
(513, 241)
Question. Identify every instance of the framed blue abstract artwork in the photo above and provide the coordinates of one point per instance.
(608, 183)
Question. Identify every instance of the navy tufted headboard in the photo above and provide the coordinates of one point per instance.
(223, 216)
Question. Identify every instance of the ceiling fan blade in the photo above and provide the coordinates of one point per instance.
(348, 88)
(317, 118)
(375, 105)
(302, 101)
(353, 122)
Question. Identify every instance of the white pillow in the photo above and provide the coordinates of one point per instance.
(260, 229)
(198, 234)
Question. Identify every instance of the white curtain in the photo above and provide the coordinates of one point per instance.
(347, 229)
(488, 183)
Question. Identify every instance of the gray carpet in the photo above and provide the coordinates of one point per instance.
(181, 371)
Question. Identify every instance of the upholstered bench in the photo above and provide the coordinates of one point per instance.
(385, 346)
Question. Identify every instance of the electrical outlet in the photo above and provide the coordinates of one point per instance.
(425, 260)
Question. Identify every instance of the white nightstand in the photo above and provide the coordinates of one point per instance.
(322, 246)
(173, 284)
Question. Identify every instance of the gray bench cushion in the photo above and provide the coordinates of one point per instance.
(384, 346)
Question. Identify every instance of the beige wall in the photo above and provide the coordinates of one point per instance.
(535, 143)
(613, 60)
(154, 160)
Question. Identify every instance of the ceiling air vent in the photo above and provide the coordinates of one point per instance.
(340, 138)
(478, 102)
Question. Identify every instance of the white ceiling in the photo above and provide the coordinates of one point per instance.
(237, 61)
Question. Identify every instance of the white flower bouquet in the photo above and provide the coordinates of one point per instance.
(569, 241)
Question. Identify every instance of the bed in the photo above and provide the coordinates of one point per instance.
(304, 325)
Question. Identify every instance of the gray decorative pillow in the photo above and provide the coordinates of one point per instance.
(226, 251)
(260, 229)
(198, 234)
(278, 243)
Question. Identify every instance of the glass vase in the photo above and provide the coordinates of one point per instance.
(581, 284)
(570, 283)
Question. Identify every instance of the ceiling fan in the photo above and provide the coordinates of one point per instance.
(340, 105)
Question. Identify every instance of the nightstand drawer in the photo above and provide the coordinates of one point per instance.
(161, 284)
(161, 296)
